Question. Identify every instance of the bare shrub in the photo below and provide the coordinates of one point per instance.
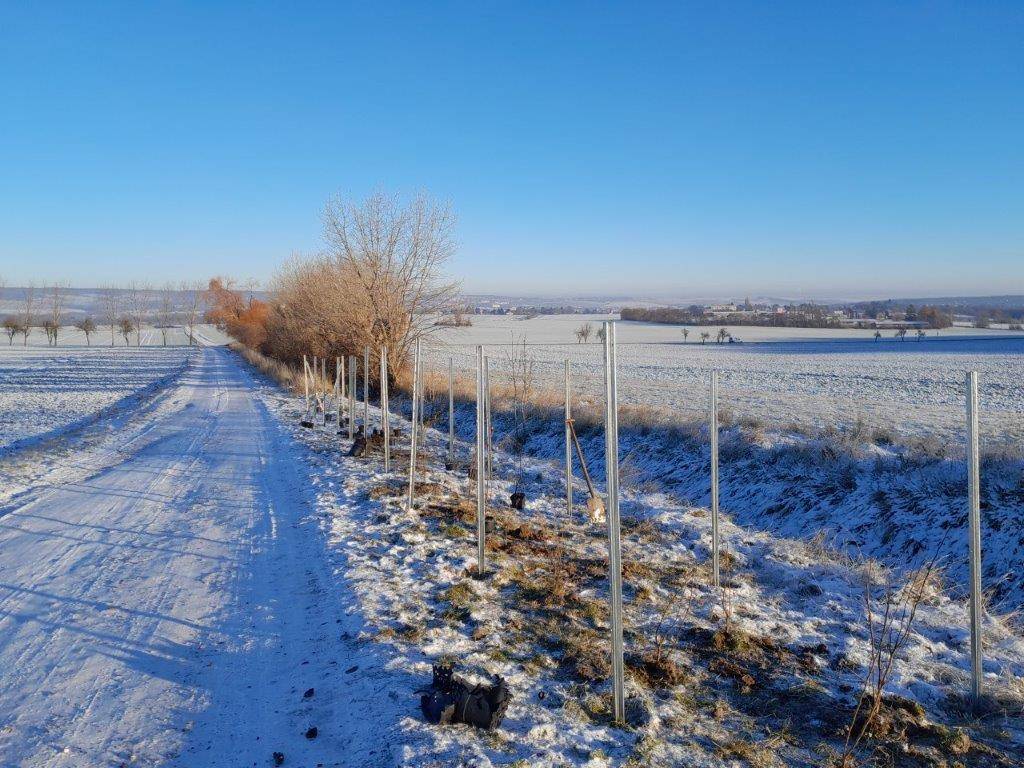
(583, 333)
(889, 629)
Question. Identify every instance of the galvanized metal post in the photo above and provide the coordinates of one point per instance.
(451, 412)
(337, 390)
(488, 429)
(611, 464)
(713, 434)
(366, 391)
(974, 520)
(341, 390)
(481, 498)
(385, 412)
(305, 382)
(568, 444)
(324, 382)
(351, 397)
(414, 426)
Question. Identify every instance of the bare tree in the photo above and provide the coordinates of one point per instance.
(111, 298)
(12, 327)
(686, 333)
(140, 298)
(583, 333)
(28, 306)
(704, 336)
(379, 283)
(87, 326)
(126, 326)
(889, 629)
(57, 295)
(193, 304)
(723, 334)
(165, 311)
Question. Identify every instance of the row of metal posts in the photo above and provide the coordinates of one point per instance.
(483, 474)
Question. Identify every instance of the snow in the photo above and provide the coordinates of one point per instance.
(167, 598)
(797, 595)
(174, 576)
(46, 390)
(809, 378)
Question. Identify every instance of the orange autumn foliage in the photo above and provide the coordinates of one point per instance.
(244, 320)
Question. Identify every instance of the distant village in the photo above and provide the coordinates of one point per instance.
(881, 315)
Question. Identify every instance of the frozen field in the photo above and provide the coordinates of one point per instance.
(45, 390)
(809, 377)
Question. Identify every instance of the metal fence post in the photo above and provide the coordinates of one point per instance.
(305, 382)
(451, 412)
(481, 500)
(568, 445)
(351, 397)
(488, 429)
(414, 426)
(713, 434)
(974, 519)
(611, 463)
(340, 364)
(385, 413)
(339, 375)
(366, 391)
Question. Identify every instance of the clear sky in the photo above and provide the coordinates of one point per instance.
(772, 148)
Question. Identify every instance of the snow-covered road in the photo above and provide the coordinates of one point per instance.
(166, 598)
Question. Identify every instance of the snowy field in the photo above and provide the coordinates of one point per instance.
(44, 390)
(812, 378)
(202, 582)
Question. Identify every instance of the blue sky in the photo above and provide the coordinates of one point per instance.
(718, 148)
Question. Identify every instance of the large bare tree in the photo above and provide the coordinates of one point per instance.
(380, 281)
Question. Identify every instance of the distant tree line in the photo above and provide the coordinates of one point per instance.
(124, 310)
(804, 316)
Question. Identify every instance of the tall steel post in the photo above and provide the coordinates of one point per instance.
(568, 444)
(481, 498)
(305, 382)
(488, 428)
(611, 463)
(713, 434)
(974, 521)
(385, 412)
(366, 391)
(451, 411)
(351, 397)
(414, 424)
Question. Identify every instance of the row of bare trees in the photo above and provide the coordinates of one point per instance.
(125, 310)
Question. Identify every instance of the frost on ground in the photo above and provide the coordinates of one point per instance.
(805, 377)
(45, 390)
(763, 672)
